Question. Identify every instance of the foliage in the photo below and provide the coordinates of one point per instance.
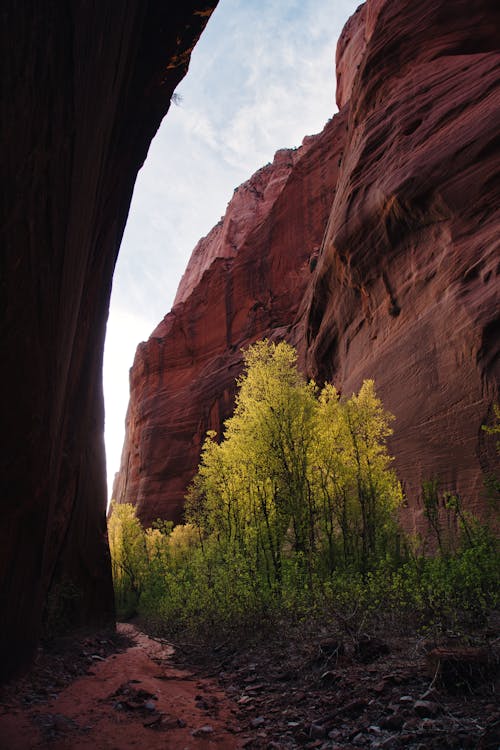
(301, 483)
(293, 514)
(128, 548)
(494, 429)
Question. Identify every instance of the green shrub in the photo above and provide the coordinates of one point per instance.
(292, 515)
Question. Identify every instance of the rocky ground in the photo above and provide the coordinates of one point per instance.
(290, 690)
(330, 693)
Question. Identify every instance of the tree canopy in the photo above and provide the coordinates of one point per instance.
(298, 472)
(293, 509)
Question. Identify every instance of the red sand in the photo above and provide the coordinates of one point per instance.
(101, 711)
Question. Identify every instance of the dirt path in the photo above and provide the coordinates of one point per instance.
(134, 699)
(108, 691)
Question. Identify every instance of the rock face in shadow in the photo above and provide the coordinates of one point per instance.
(244, 281)
(401, 191)
(84, 90)
(407, 284)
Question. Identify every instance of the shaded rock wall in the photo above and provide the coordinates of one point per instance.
(406, 285)
(244, 281)
(84, 88)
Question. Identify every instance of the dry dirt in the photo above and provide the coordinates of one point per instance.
(134, 698)
(107, 692)
(332, 690)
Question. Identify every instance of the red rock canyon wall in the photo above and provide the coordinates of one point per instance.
(407, 284)
(244, 281)
(84, 88)
(402, 186)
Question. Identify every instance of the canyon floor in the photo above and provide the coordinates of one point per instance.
(128, 690)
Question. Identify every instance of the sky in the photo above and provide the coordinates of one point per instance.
(262, 76)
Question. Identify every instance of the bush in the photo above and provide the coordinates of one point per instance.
(292, 515)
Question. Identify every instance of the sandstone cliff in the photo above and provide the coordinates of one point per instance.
(84, 88)
(407, 284)
(244, 281)
(405, 289)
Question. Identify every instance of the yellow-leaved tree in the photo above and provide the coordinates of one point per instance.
(128, 556)
(292, 511)
(301, 482)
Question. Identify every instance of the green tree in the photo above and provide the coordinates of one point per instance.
(357, 492)
(252, 490)
(294, 511)
(377, 488)
(128, 556)
(331, 477)
(298, 476)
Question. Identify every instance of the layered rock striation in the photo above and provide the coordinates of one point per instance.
(244, 281)
(374, 249)
(407, 284)
(84, 88)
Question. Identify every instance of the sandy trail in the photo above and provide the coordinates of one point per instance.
(134, 699)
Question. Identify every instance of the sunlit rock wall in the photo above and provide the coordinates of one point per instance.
(375, 250)
(244, 281)
(407, 284)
